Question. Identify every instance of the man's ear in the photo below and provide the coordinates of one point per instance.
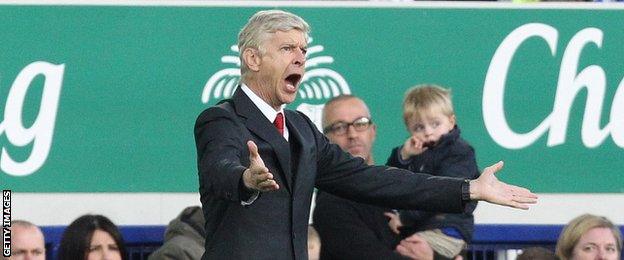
(252, 59)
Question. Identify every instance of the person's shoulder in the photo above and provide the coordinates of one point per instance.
(214, 112)
(462, 143)
(296, 116)
(179, 248)
(457, 143)
(300, 120)
(460, 147)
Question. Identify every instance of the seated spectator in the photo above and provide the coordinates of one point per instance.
(314, 244)
(589, 237)
(184, 238)
(27, 241)
(536, 253)
(92, 237)
(351, 230)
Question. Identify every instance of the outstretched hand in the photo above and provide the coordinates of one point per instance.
(257, 176)
(488, 188)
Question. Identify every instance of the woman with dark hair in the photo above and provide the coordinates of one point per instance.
(92, 237)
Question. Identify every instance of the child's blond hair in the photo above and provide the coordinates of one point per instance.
(425, 98)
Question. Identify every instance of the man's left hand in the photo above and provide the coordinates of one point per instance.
(488, 188)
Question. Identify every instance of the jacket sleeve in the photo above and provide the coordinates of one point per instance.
(344, 235)
(343, 175)
(395, 161)
(220, 151)
(459, 162)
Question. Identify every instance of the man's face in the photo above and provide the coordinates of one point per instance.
(281, 67)
(357, 143)
(27, 243)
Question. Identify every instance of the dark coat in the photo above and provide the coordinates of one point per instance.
(275, 225)
(351, 230)
(184, 238)
(451, 157)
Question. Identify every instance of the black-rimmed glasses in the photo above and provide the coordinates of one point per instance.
(341, 128)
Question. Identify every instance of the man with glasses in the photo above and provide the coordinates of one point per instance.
(351, 230)
(347, 123)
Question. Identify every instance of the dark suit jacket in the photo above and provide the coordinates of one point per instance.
(351, 230)
(275, 225)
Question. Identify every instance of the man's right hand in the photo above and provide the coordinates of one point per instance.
(257, 176)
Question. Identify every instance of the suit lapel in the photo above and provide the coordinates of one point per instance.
(265, 130)
(296, 140)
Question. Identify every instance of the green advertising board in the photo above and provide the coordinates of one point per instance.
(104, 98)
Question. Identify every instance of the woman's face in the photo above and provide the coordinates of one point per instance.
(597, 243)
(103, 247)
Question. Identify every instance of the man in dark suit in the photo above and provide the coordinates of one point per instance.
(256, 177)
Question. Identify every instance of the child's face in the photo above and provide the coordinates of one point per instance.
(429, 126)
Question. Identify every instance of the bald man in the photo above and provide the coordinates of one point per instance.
(351, 230)
(27, 242)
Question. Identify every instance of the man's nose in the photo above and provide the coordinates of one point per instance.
(299, 57)
(351, 132)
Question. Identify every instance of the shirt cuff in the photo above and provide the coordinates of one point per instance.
(247, 196)
(251, 199)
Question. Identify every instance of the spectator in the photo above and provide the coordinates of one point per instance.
(589, 237)
(184, 238)
(435, 147)
(27, 242)
(351, 230)
(92, 237)
(536, 253)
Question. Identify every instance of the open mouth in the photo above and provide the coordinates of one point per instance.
(293, 79)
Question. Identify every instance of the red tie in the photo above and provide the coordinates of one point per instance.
(279, 123)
